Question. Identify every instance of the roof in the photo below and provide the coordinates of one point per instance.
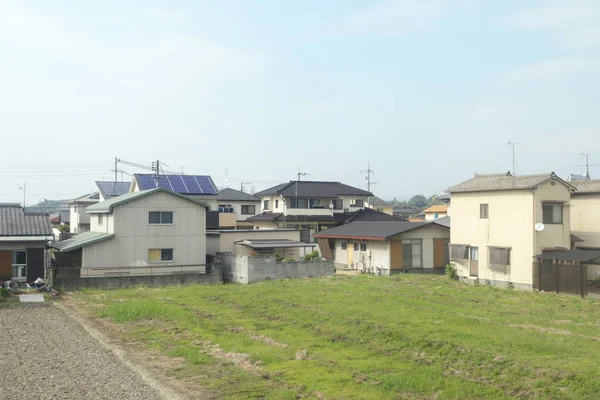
(507, 181)
(81, 240)
(443, 221)
(443, 197)
(229, 194)
(441, 208)
(108, 205)
(586, 186)
(110, 189)
(364, 214)
(87, 198)
(379, 202)
(273, 243)
(199, 185)
(570, 255)
(576, 177)
(374, 230)
(314, 189)
(65, 216)
(14, 221)
(404, 209)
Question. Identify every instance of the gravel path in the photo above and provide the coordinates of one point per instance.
(44, 354)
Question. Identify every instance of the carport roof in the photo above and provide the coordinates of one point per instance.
(570, 255)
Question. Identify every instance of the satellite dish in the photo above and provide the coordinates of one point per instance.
(331, 206)
(539, 227)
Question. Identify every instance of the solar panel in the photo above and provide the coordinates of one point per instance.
(184, 184)
(113, 189)
(178, 185)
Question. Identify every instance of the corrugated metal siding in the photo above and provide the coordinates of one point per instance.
(134, 236)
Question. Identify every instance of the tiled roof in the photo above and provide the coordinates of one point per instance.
(230, 194)
(364, 214)
(81, 240)
(15, 222)
(373, 230)
(87, 198)
(586, 186)
(494, 182)
(314, 189)
(441, 208)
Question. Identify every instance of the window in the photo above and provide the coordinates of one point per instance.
(100, 219)
(500, 255)
(298, 203)
(435, 216)
(363, 246)
(356, 246)
(484, 211)
(267, 205)
(305, 234)
(459, 252)
(19, 264)
(160, 217)
(552, 213)
(160, 255)
(338, 204)
(344, 245)
(276, 204)
(474, 253)
(248, 210)
(358, 203)
(411, 253)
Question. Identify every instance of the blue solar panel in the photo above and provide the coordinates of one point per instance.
(184, 184)
(177, 184)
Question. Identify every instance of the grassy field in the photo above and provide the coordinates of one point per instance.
(367, 337)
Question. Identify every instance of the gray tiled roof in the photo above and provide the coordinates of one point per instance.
(15, 222)
(379, 202)
(493, 182)
(587, 186)
(230, 194)
(107, 206)
(375, 230)
(87, 198)
(314, 189)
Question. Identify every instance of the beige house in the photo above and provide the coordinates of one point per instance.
(585, 219)
(500, 222)
(238, 207)
(387, 247)
(435, 212)
(147, 232)
(380, 205)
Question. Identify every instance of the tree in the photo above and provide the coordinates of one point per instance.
(419, 201)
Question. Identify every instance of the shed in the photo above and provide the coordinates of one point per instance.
(565, 270)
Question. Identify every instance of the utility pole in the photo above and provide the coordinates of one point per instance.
(513, 144)
(300, 174)
(369, 172)
(117, 168)
(587, 164)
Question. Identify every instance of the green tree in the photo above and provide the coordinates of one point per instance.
(419, 201)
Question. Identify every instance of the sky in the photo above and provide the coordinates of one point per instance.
(426, 92)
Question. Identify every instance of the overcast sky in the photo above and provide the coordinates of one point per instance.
(427, 91)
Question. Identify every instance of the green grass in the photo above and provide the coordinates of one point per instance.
(410, 336)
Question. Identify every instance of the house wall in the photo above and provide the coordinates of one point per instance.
(553, 235)
(134, 236)
(265, 225)
(228, 238)
(107, 223)
(585, 219)
(212, 244)
(80, 221)
(237, 207)
(510, 224)
(427, 234)
(431, 216)
(35, 258)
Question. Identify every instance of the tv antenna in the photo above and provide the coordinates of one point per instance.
(243, 186)
(587, 164)
(513, 144)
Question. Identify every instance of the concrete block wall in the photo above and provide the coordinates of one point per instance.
(248, 269)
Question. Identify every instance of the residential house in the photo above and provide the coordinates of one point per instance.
(110, 189)
(23, 239)
(223, 241)
(146, 232)
(387, 247)
(309, 206)
(585, 218)
(501, 222)
(435, 212)
(79, 220)
(445, 198)
(239, 205)
(380, 205)
(404, 212)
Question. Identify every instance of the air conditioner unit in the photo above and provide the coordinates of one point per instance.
(346, 210)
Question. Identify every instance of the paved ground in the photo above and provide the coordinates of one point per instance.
(44, 354)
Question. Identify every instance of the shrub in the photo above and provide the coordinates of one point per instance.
(311, 256)
(63, 228)
(4, 292)
(278, 258)
(286, 260)
(451, 271)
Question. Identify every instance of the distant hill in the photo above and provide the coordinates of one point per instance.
(48, 206)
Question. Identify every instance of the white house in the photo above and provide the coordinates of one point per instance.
(79, 221)
(147, 232)
(387, 247)
(241, 205)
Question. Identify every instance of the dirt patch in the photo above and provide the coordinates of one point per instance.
(241, 360)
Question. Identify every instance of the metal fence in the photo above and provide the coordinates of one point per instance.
(562, 277)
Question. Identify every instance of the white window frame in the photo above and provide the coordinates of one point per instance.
(161, 218)
(21, 267)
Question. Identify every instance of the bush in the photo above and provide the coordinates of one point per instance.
(63, 228)
(311, 256)
(4, 292)
(451, 271)
(278, 258)
(286, 260)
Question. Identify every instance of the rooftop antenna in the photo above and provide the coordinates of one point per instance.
(24, 189)
(369, 172)
(243, 186)
(587, 164)
(300, 174)
(513, 144)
